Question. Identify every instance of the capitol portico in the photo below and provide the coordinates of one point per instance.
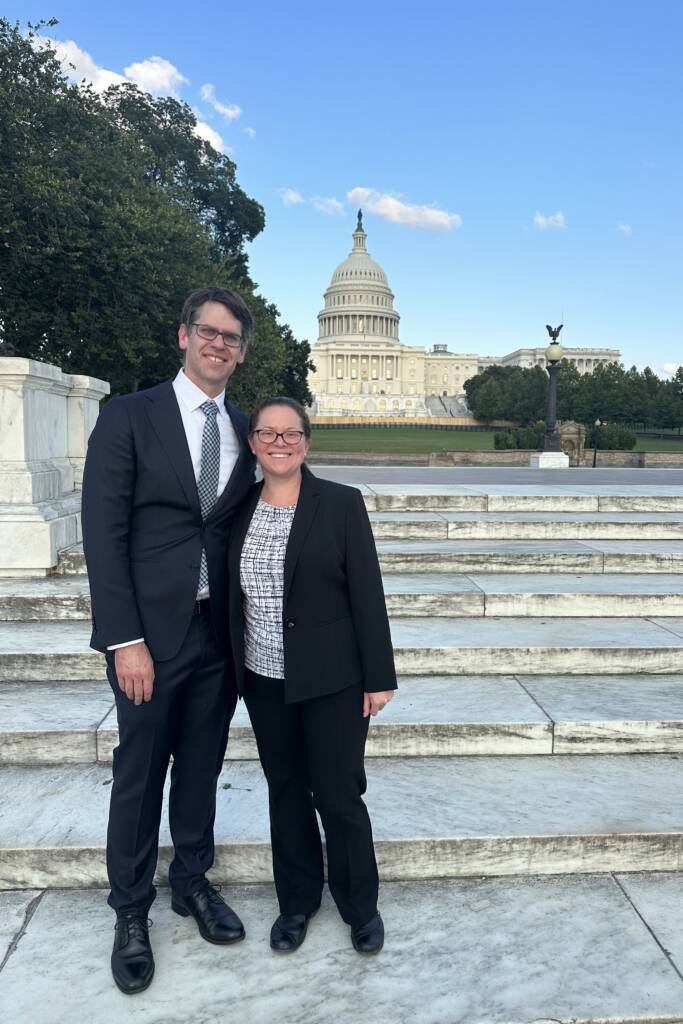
(364, 369)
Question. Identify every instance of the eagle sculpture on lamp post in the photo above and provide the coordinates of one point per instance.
(554, 332)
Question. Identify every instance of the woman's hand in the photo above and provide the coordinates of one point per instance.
(374, 702)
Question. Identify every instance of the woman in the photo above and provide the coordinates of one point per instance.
(313, 659)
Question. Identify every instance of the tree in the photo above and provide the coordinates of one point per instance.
(111, 211)
(485, 399)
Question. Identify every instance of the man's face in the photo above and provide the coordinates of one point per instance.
(210, 364)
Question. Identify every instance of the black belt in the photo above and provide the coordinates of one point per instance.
(202, 607)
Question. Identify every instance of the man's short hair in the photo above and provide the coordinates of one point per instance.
(231, 300)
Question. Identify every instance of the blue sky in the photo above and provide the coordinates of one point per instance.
(521, 160)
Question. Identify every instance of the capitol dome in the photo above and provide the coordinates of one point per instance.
(359, 303)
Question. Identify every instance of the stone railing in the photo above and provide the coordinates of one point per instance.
(46, 417)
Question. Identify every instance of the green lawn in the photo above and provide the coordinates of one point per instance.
(651, 444)
(413, 440)
(400, 440)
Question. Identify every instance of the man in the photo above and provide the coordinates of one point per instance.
(165, 471)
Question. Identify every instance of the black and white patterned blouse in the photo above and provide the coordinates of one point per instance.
(262, 575)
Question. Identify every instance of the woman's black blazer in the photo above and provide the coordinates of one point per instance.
(334, 624)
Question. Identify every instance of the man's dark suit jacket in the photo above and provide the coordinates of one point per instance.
(335, 625)
(142, 524)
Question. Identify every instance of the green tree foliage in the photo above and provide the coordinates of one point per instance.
(631, 398)
(111, 211)
(611, 437)
(528, 438)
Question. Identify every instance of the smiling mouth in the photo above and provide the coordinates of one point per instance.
(213, 358)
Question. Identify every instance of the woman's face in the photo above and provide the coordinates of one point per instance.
(278, 459)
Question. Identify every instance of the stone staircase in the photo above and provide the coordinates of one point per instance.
(537, 731)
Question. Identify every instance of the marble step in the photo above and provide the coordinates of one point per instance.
(75, 722)
(587, 949)
(71, 562)
(536, 526)
(51, 598)
(439, 817)
(510, 594)
(411, 594)
(498, 556)
(40, 651)
(508, 498)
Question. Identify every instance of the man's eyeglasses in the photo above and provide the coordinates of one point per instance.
(268, 436)
(210, 334)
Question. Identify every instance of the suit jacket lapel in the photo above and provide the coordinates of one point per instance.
(164, 415)
(306, 509)
(240, 527)
(242, 459)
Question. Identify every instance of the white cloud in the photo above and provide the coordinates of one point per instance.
(84, 67)
(290, 196)
(555, 220)
(392, 208)
(157, 76)
(210, 135)
(251, 132)
(329, 205)
(670, 367)
(625, 229)
(231, 113)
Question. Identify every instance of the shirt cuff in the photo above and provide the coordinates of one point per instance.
(128, 643)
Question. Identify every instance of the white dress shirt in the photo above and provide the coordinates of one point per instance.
(190, 398)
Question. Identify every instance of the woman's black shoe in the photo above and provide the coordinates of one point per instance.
(132, 962)
(289, 931)
(369, 938)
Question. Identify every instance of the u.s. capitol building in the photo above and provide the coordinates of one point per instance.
(364, 369)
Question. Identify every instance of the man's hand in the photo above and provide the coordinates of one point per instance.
(135, 671)
(374, 702)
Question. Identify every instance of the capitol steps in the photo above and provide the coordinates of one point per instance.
(441, 817)
(67, 722)
(538, 726)
(438, 594)
(42, 651)
(498, 556)
(537, 526)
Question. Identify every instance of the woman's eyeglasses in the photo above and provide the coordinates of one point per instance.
(268, 436)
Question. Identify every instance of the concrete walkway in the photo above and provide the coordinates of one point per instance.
(466, 951)
(627, 481)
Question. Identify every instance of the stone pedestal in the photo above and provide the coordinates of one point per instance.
(549, 460)
(46, 417)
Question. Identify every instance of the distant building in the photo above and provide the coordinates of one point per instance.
(364, 369)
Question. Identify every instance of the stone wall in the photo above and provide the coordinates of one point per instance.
(46, 417)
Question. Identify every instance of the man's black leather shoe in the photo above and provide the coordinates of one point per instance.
(132, 962)
(216, 920)
(369, 938)
(289, 931)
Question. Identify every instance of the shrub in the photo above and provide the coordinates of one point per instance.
(519, 437)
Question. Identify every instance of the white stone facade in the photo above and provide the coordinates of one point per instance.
(46, 417)
(363, 369)
(584, 359)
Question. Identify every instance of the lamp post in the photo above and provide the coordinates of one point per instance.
(551, 439)
(596, 428)
(551, 455)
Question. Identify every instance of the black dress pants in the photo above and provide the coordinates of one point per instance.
(188, 717)
(312, 757)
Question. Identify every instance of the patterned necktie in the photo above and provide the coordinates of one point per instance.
(208, 474)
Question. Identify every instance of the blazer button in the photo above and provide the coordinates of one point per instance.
(290, 623)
